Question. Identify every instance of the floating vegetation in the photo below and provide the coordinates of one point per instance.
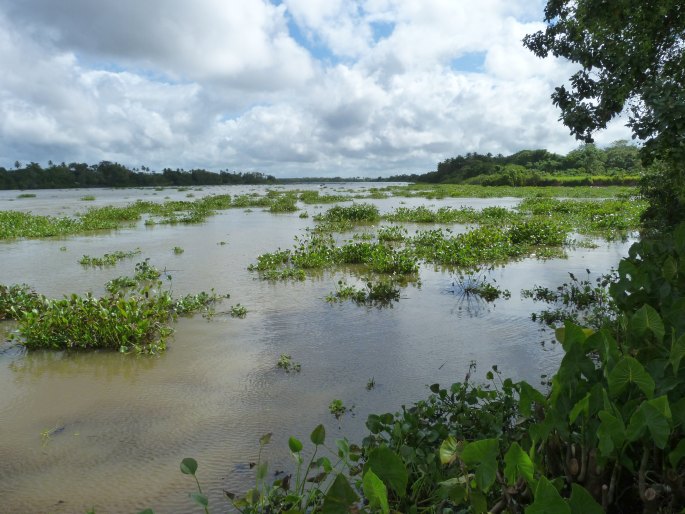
(16, 299)
(314, 197)
(238, 311)
(26, 195)
(109, 259)
(177, 250)
(370, 384)
(358, 213)
(286, 363)
(379, 293)
(304, 215)
(576, 301)
(135, 318)
(337, 408)
(15, 224)
(285, 203)
(88, 198)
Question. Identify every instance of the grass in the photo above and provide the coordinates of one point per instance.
(88, 198)
(26, 195)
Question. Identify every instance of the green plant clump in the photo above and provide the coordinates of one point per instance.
(108, 259)
(135, 316)
(358, 213)
(286, 363)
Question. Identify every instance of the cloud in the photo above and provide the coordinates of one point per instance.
(326, 87)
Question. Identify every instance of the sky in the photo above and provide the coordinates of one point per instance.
(287, 87)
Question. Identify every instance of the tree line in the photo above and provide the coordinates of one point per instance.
(112, 174)
(619, 163)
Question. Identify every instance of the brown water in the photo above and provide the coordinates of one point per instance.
(108, 431)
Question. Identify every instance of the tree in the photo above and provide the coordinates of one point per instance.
(632, 57)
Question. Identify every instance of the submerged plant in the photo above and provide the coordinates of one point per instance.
(475, 284)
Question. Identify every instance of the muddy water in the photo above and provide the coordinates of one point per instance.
(108, 431)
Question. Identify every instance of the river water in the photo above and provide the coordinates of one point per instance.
(108, 431)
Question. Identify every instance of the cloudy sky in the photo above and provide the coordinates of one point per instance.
(288, 87)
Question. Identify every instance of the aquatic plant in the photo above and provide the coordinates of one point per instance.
(380, 293)
(135, 316)
(177, 250)
(238, 311)
(357, 212)
(108, 259)
(580, 301)
(337, 408)
(88, 198)
(475, 284)
(26, 195)
(284, 203)
(16, 299)
(314, 197)
(286, 363)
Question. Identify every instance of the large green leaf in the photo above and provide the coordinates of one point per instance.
(654, 415)
(388, 466)
(647, 318)
(483, 454)
(677, 454)
(517, 463)
(339, 497)
(677, 353)
(611, 433)
(375, 491)
(582, 406)
(606, 347)
(582, 502)
(627, 371)
(547, 500)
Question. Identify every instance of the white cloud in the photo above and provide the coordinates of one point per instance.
(224, 83)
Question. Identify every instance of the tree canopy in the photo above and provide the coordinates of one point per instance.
(632, 58)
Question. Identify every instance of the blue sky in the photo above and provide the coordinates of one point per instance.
(289, 87)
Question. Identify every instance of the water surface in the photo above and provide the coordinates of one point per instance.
(108, 431)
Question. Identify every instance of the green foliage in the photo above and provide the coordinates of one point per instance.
(357, 213)
(135, 316)
(578, 301)
(314, 197)
(108, 259)
(16, 299)
(238, 311)
(380, 293)
(286, 363)
(177, 250)
(337, 408)
(284, 203)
